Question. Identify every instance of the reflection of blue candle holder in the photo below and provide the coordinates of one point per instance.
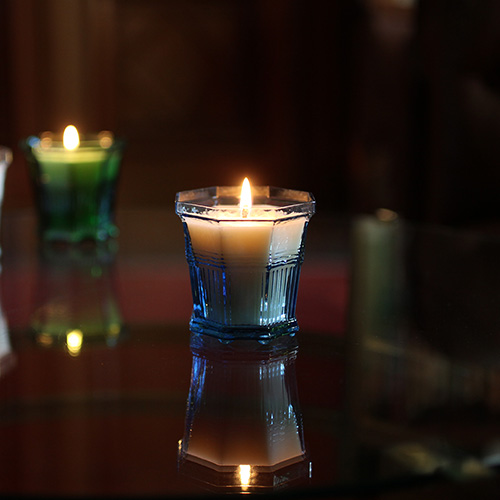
(244, 264)
(243, 424)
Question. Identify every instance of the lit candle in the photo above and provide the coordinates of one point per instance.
(75, 183)
(244, 258)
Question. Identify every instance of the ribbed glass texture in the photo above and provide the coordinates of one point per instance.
(244, 295)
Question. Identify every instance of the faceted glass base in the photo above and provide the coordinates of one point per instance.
(241, 332)
(75, 231)
(245, 478)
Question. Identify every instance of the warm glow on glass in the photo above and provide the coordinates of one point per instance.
(45, 339)
(71, 139)
(386, 215)
(74, 340)
(245, 471)
(114, 329)
(105, 139)
(245, 198)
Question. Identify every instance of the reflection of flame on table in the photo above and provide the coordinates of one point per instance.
(243, 425)
(58, 323)
(79, 304)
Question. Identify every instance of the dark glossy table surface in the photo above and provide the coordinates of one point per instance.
(397, 368)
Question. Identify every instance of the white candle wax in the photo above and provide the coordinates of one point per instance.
(254, 239)
(245, 247)
(58, 165)
(71, 161)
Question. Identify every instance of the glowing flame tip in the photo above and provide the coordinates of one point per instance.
(71, 139)
(246, 198)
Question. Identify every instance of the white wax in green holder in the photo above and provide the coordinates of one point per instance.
(58, 165)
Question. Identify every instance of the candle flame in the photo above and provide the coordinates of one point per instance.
(71, 139)
(246, 198)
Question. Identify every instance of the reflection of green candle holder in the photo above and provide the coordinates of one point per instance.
(78, 301)
(74, 188)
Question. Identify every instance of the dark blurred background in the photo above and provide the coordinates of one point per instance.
(366, 103)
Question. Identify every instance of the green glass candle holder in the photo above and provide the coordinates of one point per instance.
(75, 189)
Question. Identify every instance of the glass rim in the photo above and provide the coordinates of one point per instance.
(88, 142)
(208, 202)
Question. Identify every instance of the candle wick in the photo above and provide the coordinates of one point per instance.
(244, 212)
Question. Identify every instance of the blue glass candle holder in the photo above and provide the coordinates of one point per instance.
(244, 264)
(74, 190)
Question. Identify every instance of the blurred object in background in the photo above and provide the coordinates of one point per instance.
(381, 119)
(366, 103)
(205, 93)
(459, 57)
